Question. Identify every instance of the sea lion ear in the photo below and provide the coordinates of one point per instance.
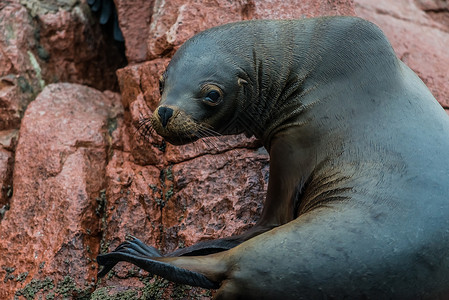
(242, 81)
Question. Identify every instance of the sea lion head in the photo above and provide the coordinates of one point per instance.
(200, 94)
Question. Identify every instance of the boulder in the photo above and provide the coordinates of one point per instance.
(50, 236)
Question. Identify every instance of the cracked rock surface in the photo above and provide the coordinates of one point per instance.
(52, 230)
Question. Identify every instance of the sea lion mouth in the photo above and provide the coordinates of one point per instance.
(176, 136)
(179, 128)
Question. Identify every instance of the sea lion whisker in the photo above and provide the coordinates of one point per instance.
(208, 129)
(210, 135)
(211, 141)
(206, 143)
(148, 130)
(209, 132)
(140, 124)
(205, 139)
(144, 128)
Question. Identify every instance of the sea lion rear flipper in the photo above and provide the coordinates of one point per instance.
(134, 251)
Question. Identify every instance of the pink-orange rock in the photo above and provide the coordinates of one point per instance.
(133, 206)
(142, 79)
(50, 236)
(139, 85)
(8, 139)
(12, 101)
(210, 145)
(438, 10)
(134, 22)
(175, 21)
(418, 39)
(74, 48)
(61, 43)
(20, 75)
(16, 40)
(133, 200)
(213, 196)
(274, 9)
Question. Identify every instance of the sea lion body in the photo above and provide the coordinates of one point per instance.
(358, 195)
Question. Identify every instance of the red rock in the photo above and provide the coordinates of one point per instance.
(213, 196)
(8, 139)
(419, 40)
(62, 43)
(133, 207)
(16, 40)
(142, 79)
(273, 9)
(12, 101)
(20, 77)
(139, 85)
(75, 49)
(209, 145)
(134, 22)
(50, 235)
(433, 5)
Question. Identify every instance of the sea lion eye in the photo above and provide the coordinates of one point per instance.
(213, 95)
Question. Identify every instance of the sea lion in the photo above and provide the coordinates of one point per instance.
(358, 197)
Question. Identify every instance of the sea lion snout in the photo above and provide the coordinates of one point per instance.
(165, 113)
(175, 125)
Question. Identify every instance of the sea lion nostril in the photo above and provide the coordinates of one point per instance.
(165, 114)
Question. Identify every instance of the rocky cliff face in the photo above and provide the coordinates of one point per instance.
(77, 176)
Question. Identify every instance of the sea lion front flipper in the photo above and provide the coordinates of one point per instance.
(219, 245)
(136, 248)
(131, 245)
(134, 251)
(207, 247)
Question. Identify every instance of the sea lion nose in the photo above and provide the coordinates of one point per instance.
(165, 114)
